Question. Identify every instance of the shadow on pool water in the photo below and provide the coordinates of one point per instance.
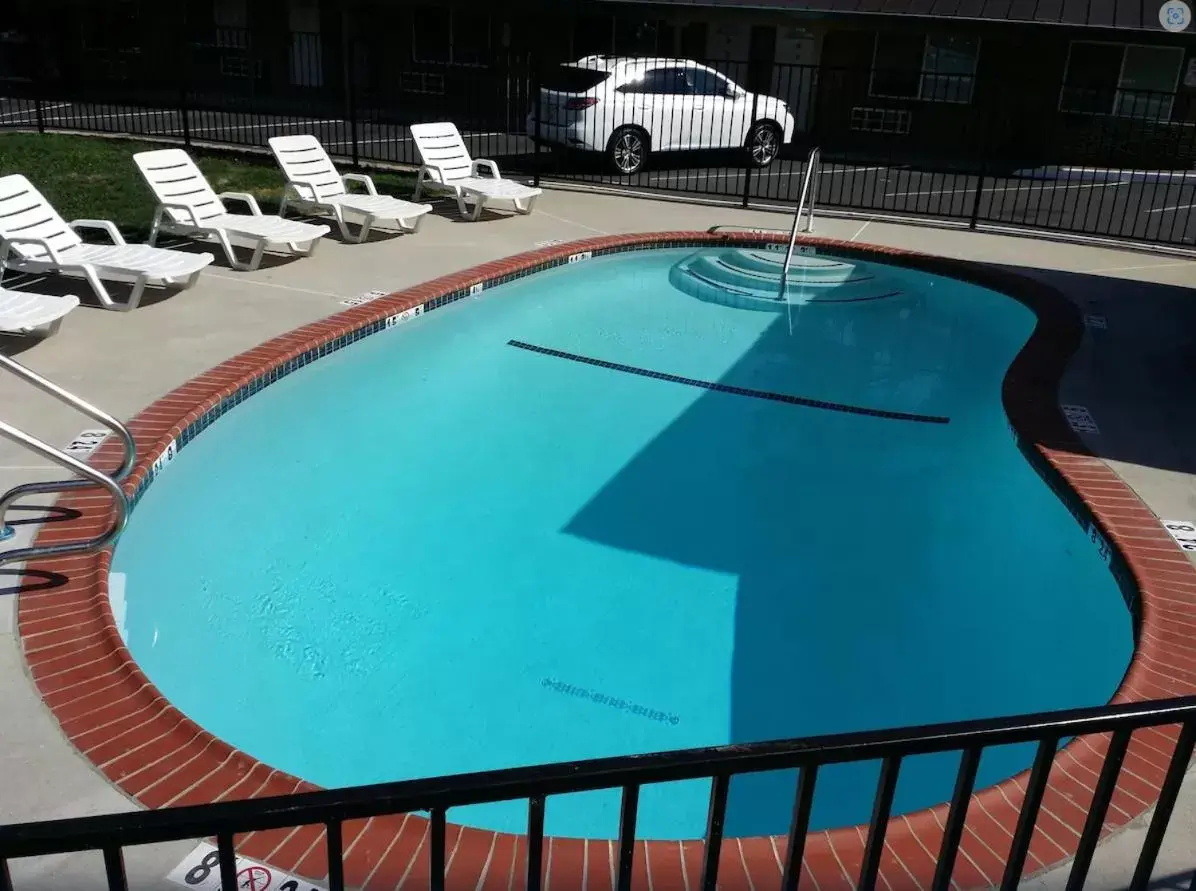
(907, 648)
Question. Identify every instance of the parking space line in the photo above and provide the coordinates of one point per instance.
(1147, 266)
(716, 175)
(220, 129)
(1021, 187)
(59, 120)
(382, 140)
(1172, 207)
(834, 171)
(798, 169)
(32, 112)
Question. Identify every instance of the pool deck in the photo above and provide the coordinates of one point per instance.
(1132, 374)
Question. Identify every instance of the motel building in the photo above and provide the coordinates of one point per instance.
(1107, 78)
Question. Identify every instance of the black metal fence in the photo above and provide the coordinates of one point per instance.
(331, 809)
(1109, 163)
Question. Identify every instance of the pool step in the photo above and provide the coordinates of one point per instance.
(751, 279)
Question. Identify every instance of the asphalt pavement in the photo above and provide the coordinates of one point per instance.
(1123, 207)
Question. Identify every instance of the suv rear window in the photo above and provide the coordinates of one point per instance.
(571, 79)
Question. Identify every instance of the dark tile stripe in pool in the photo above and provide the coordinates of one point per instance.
(734, 391)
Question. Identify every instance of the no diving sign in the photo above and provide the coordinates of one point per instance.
(200, 870)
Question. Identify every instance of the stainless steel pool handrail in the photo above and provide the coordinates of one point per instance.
(90, 475)
(809, 189)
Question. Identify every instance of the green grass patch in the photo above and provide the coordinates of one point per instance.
(94, 177)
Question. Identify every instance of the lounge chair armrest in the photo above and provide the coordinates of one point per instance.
(104, 225)
(486, 164)
(436, 174)
(244, 197)
(8, 243)
(310, 184)
(364, 178)
(185, 209)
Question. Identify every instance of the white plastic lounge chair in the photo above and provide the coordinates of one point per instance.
(447, 167)
(314, 184)
(23, 312)
(188, 206)
(34, 238)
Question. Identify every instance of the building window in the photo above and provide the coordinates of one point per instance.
(451, 37)
(1126, 80)
(231, 18)
(933, 68)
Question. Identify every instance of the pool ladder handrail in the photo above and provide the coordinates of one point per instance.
(90, 475)
(809, 190)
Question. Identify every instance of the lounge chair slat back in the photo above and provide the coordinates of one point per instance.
(441, 145)
(176, 179)
(25, 213)
(304, 160)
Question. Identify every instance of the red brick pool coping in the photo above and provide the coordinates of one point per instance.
(116, 718)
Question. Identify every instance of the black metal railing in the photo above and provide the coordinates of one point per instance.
(330, 809)
(900, 143)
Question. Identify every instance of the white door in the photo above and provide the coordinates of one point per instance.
(307, 52)
(793, 79)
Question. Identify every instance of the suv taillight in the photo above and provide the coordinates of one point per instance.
(580, 104)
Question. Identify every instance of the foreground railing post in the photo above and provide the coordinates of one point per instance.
(1035, 789)
(882, 807)
(965, 781)
(228, 860)
(627, 815)
(1102, 795)
(799, 826)
(336, 855)
(5, 877)
(535, 842)
(114, 869)
(436, 850)
(716, 818)
(1162, 812)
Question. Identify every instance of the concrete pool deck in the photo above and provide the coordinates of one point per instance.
(1129, 375)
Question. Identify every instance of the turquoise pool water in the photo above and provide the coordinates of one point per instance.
(438, 551)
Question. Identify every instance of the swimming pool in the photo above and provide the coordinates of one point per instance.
(589, 513)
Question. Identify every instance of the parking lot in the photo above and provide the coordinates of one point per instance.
(1124, 207)
(1121, 207)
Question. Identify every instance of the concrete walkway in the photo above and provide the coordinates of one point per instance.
(1133, 375)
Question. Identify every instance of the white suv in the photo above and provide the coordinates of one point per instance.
(627, 108)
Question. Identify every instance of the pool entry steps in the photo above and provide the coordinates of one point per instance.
(750, 278)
